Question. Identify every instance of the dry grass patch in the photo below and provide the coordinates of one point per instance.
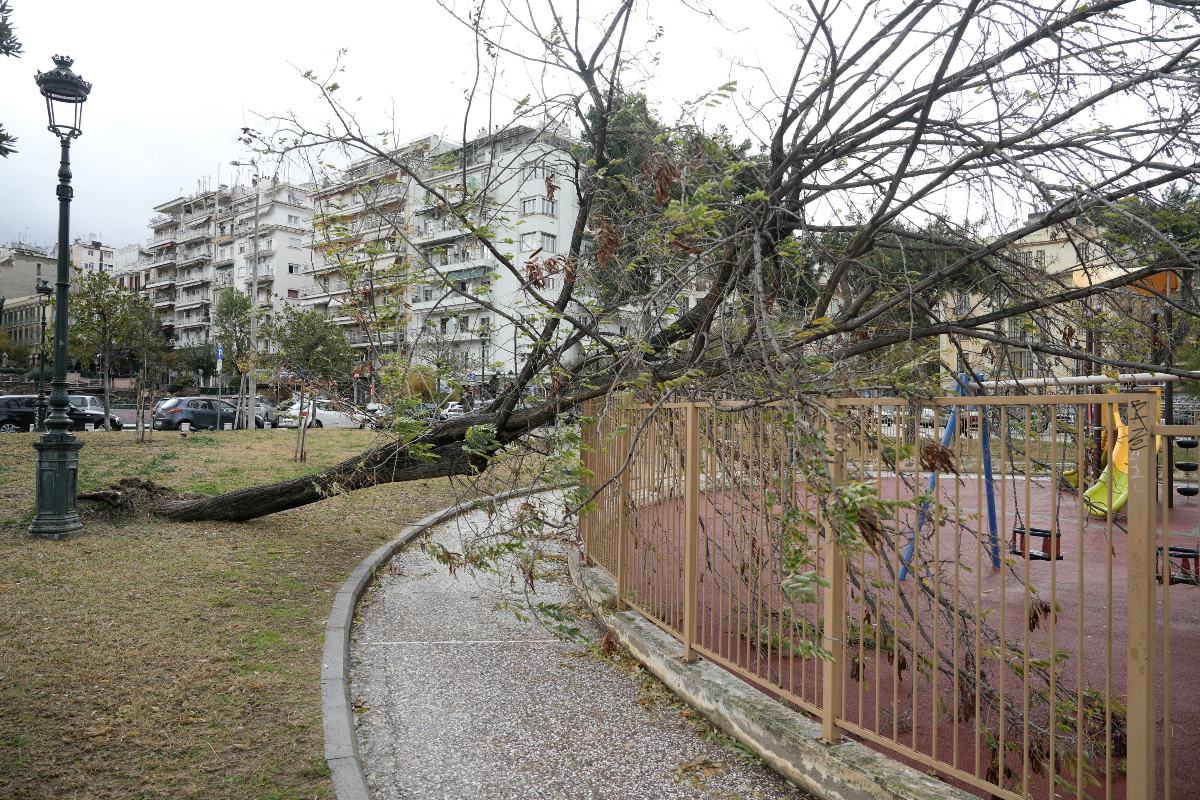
(156, 659)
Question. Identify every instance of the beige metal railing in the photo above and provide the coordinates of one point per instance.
(982, 618)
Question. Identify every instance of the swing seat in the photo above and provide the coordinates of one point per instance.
(1189, 559)
(1018, 543)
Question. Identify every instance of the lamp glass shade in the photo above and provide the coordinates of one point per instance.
(65, 93)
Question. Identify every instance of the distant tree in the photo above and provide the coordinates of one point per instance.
(150, 348)
(19, 354)
(231, 318)
(103, 320)
(313, 348)
(199, 360)
(5, 340)
(9, 46)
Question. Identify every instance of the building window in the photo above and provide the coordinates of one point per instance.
(292, 295)
(291, 198)
(293, 269)
(91, 252)
(443, 323)
(428, 295)
(294, 242)
(293, 219)
(529, 241)
(549, 243)
(529, 205)
(549, 207)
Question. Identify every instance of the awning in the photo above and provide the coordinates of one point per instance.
(465, 274)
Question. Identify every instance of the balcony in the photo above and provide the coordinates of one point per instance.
(191, 235)
(195, 322)
(226, 261)
(161, 241)
(160, 220)
(223, 280)
(193, 301)
(164, 302)
(195, 256)
(194, 278)
(162, 259)
(160, 283)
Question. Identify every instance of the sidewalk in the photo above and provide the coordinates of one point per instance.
(461, 700)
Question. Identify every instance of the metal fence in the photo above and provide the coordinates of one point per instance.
(925, 578)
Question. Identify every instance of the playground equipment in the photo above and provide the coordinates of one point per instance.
(947, 437)
(1188, 468)
(1115, 477)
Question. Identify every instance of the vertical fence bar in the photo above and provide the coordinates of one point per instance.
(1142, 670)
(834, 670)
(691, 526)
(591, 449)
(624, 499)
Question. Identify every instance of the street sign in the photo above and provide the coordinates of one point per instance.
(220, 358)
(472, 376)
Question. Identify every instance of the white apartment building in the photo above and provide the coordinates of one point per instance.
(517, 168)
(285, 225)
(360, 254)
(88, 254)
(203, 243)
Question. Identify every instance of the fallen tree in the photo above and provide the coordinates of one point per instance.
(910, 117)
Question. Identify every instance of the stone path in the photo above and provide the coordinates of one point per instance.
(460, 700)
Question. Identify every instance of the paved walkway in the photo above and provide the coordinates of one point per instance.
(461, 700)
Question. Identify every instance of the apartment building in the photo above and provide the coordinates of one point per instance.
(531, 209)
(89, 254)
(1070, 256)
(285, 226)
(22, 319)
(361, 252)
(203, 243)
(22, 265)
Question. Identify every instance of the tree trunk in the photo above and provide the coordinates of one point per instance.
(299, 425)
(305, 423)
(107, 352)
(387, 464)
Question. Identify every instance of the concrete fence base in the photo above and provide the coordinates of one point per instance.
(786, 740)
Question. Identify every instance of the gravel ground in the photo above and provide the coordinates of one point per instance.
(459, 700)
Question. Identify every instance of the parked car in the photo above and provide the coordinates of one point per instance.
(327, 415)
(452, 410)
(204, 413)
(89, 402)
(19, 411)
(262, 408)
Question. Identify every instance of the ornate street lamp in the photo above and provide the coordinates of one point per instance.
(58, 450)
(45, 290)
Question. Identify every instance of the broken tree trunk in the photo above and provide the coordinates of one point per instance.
(387, 464)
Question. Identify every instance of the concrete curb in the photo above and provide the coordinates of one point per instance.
(341, 739)
(787, 740)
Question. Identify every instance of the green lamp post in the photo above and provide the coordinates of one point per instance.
(57, 480)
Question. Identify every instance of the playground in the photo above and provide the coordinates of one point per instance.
(985, 627)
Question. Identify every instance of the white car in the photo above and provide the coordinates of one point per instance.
(325, 416)
(451, 410)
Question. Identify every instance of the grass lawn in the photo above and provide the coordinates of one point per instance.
(154, 659)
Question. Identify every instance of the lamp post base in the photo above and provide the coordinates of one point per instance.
(57, 487)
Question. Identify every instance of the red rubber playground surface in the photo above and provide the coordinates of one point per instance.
(886, 699)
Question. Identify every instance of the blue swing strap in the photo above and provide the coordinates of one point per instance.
(947, 437)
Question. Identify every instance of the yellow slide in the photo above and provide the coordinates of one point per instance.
(1095, 499)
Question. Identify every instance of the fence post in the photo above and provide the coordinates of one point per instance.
(624, 498)
(590, 447)
(1142, 681)
(691, 526)
(833, 671)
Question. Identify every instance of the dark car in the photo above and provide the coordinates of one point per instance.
(87, 402)
(19, 411)
(204, 413)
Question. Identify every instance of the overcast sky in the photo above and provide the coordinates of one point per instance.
(174, 83)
